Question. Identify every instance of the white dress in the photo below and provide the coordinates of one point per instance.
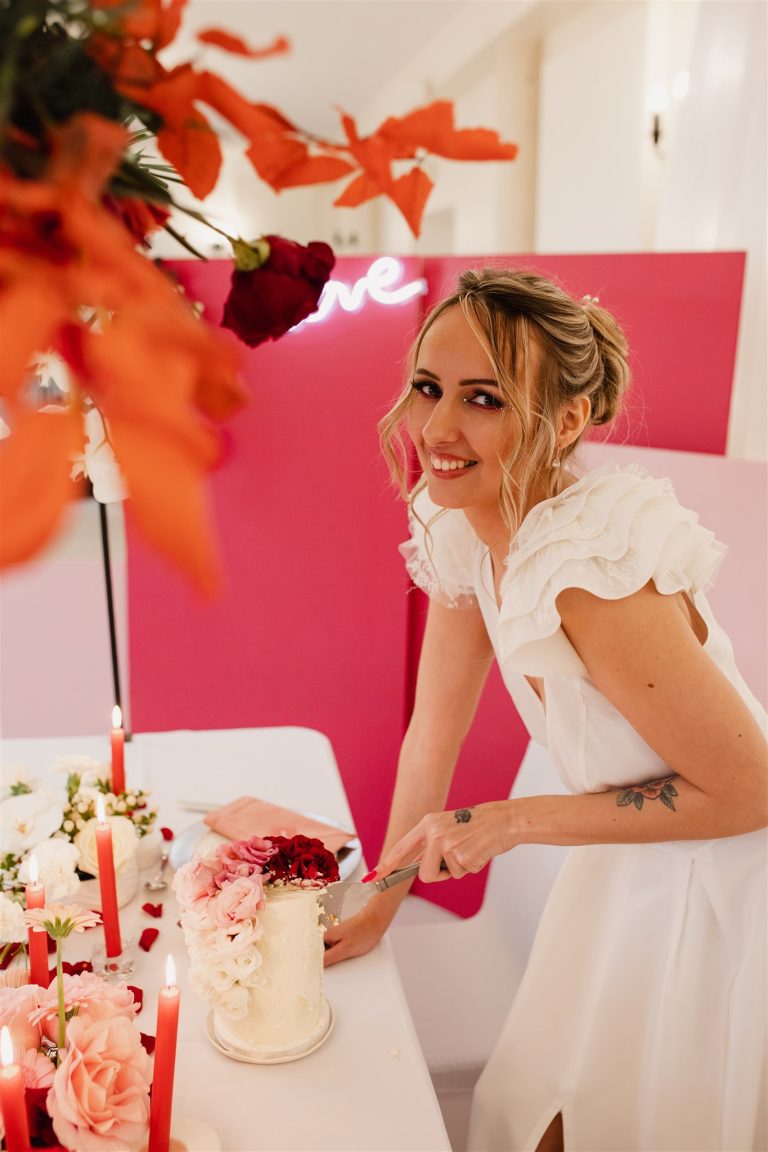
(642, 1014)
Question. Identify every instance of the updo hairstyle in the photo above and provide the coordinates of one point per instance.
(581, 352)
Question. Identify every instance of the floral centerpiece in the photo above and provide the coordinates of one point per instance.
(58, 826)
(221, 895)
(87, 1073)
(97, 137)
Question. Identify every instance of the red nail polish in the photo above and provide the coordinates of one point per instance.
(369, 876)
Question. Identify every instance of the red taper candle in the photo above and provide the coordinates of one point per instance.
(117, 742)
(12, 1104)
(107, 885)
(168, 1003)
(37, 938)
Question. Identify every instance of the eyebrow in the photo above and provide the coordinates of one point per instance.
(462, 383)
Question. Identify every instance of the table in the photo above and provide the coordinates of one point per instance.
(367, 1089)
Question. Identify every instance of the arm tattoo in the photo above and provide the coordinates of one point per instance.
(663, 790)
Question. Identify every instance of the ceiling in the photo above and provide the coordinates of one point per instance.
(342, 50)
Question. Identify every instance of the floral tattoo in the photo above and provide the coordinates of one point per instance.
(663, 790)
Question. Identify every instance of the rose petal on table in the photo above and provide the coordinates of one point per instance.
(166, 833)
(75, 969)
(138, 995)
(153, 909)
(148, 937)
(148, 1043)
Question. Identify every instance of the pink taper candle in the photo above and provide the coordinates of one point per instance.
(117, 742)
(107, 885)
(12, 1104)
(37, 937)
(168, 1003)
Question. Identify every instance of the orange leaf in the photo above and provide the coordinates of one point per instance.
(35, 464)
(193, 149)
(31, 311)
(358, 191)
(410, 193)
(373, 153)
(86, 149)
(252, 120)
(146, 19)
(432, 128)
(285, 163)
(229, 43)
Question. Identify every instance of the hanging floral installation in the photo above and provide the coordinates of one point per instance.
(86, 107)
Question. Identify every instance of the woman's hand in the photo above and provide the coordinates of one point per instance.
(452, 844)
(358, 935)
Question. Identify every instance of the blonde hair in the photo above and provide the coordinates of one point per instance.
(582, 352)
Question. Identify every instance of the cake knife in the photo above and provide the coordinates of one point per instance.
(345, 898)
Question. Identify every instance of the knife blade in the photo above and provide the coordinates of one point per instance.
(345, 898)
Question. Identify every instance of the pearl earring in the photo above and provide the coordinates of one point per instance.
(556, 462)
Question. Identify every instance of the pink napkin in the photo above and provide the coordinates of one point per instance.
(247, 816)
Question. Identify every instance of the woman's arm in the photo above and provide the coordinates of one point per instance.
(455, 659)
(643, 655)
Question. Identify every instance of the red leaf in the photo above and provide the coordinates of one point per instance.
(253, 120)
(166, 833)
(230, 43)
(76, 969)
(147, 938)
(155, 910)
(358, 191)
(193, 149)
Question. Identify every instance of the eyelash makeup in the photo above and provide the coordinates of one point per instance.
(490, 401)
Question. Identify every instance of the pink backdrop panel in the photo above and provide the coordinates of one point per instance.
(680, 312)
(311, 628)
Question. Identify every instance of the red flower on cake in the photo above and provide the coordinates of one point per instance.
(302, 858)
(275, 285)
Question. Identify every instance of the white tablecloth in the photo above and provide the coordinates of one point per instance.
(367, 1087)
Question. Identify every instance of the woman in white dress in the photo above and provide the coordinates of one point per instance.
(640, 1021)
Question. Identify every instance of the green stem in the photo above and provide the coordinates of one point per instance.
(60, 991)
(184, 243)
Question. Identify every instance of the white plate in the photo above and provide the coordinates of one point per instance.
(199, 838)
(297, 1053)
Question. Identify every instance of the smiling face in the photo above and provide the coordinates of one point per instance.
(457, 418)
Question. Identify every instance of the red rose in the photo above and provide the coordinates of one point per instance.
(265, 302)
(302, 858)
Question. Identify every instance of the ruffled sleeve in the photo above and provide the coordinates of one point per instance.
(610, 533)
(439, 556)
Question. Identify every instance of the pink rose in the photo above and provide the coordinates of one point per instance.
(16, 1006)
(238, 901)
(241, 858)
(99, 1100)
(194, 883)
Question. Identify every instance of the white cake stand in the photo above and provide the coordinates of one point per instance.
(272, 1055)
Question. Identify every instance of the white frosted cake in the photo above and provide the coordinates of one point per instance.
(286, 1011)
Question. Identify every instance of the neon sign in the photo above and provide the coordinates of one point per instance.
(378, 284)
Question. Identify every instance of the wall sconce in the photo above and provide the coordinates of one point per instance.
(657, 102)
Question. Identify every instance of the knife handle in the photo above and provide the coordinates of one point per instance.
(401, 874)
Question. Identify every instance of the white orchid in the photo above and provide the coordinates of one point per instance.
(26, 820)
(56, 863)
